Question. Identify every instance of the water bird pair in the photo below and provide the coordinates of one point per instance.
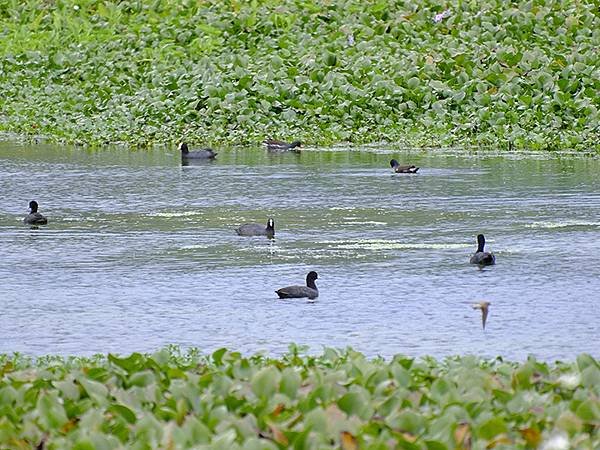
(34, 217)
(256, 229)
(208, 153)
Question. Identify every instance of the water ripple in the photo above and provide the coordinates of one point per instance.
(141, 252)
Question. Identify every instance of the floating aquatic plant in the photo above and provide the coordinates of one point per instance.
(339, 399)
(488, 73)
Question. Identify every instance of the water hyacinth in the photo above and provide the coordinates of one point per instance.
(338, 399)
(441, 16)
(485, 73)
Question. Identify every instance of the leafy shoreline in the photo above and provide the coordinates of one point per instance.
(523, 76)
(339, 399)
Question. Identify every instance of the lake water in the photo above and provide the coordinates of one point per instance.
(141, 252)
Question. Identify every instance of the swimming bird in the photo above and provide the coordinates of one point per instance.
(256, 229)
(310, 290)
(280, 146)
(484, 307)
(205, 153)
(480, 257)
(34, 217)
(396, 167)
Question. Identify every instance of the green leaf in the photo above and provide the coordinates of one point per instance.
(589, 411)
(51, 411)
(352, 403)
(84, 444)
(122, 411)
(435, 445)
(413, 83)
(290, 382)
(585, 360)
(407, 421)
(132, 363)
(143, 378)
(316, 420)
(492, 428)
(68, 389)
(95, 390)
(217, 356)
(590, 377)
(266, 382)
(8, 395)
(330, 59)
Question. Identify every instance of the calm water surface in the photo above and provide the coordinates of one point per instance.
(140, 252)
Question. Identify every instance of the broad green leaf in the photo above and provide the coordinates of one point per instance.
(266, 382)
(589, 411)
(143, 378)
(584, 360)
(51, 411)
(123, 411)
(290, 382)
(436, 445)
(356, 403)
(217, 356)
(95, 390)
(130, 364)
(492, 428)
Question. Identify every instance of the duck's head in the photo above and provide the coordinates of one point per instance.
(271, 224)
(183, 147)
(393, 163)
(311, 277)
(296, 144)
(33, 206)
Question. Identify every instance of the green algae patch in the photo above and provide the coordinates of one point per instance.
(339, 399)
(516, 75)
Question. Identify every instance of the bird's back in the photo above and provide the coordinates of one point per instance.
(297, 292)
(251, 229)
(483, 259)
(205, 153)
(406, 169)
(35, 219)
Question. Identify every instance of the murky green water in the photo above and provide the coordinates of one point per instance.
(140, 252)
